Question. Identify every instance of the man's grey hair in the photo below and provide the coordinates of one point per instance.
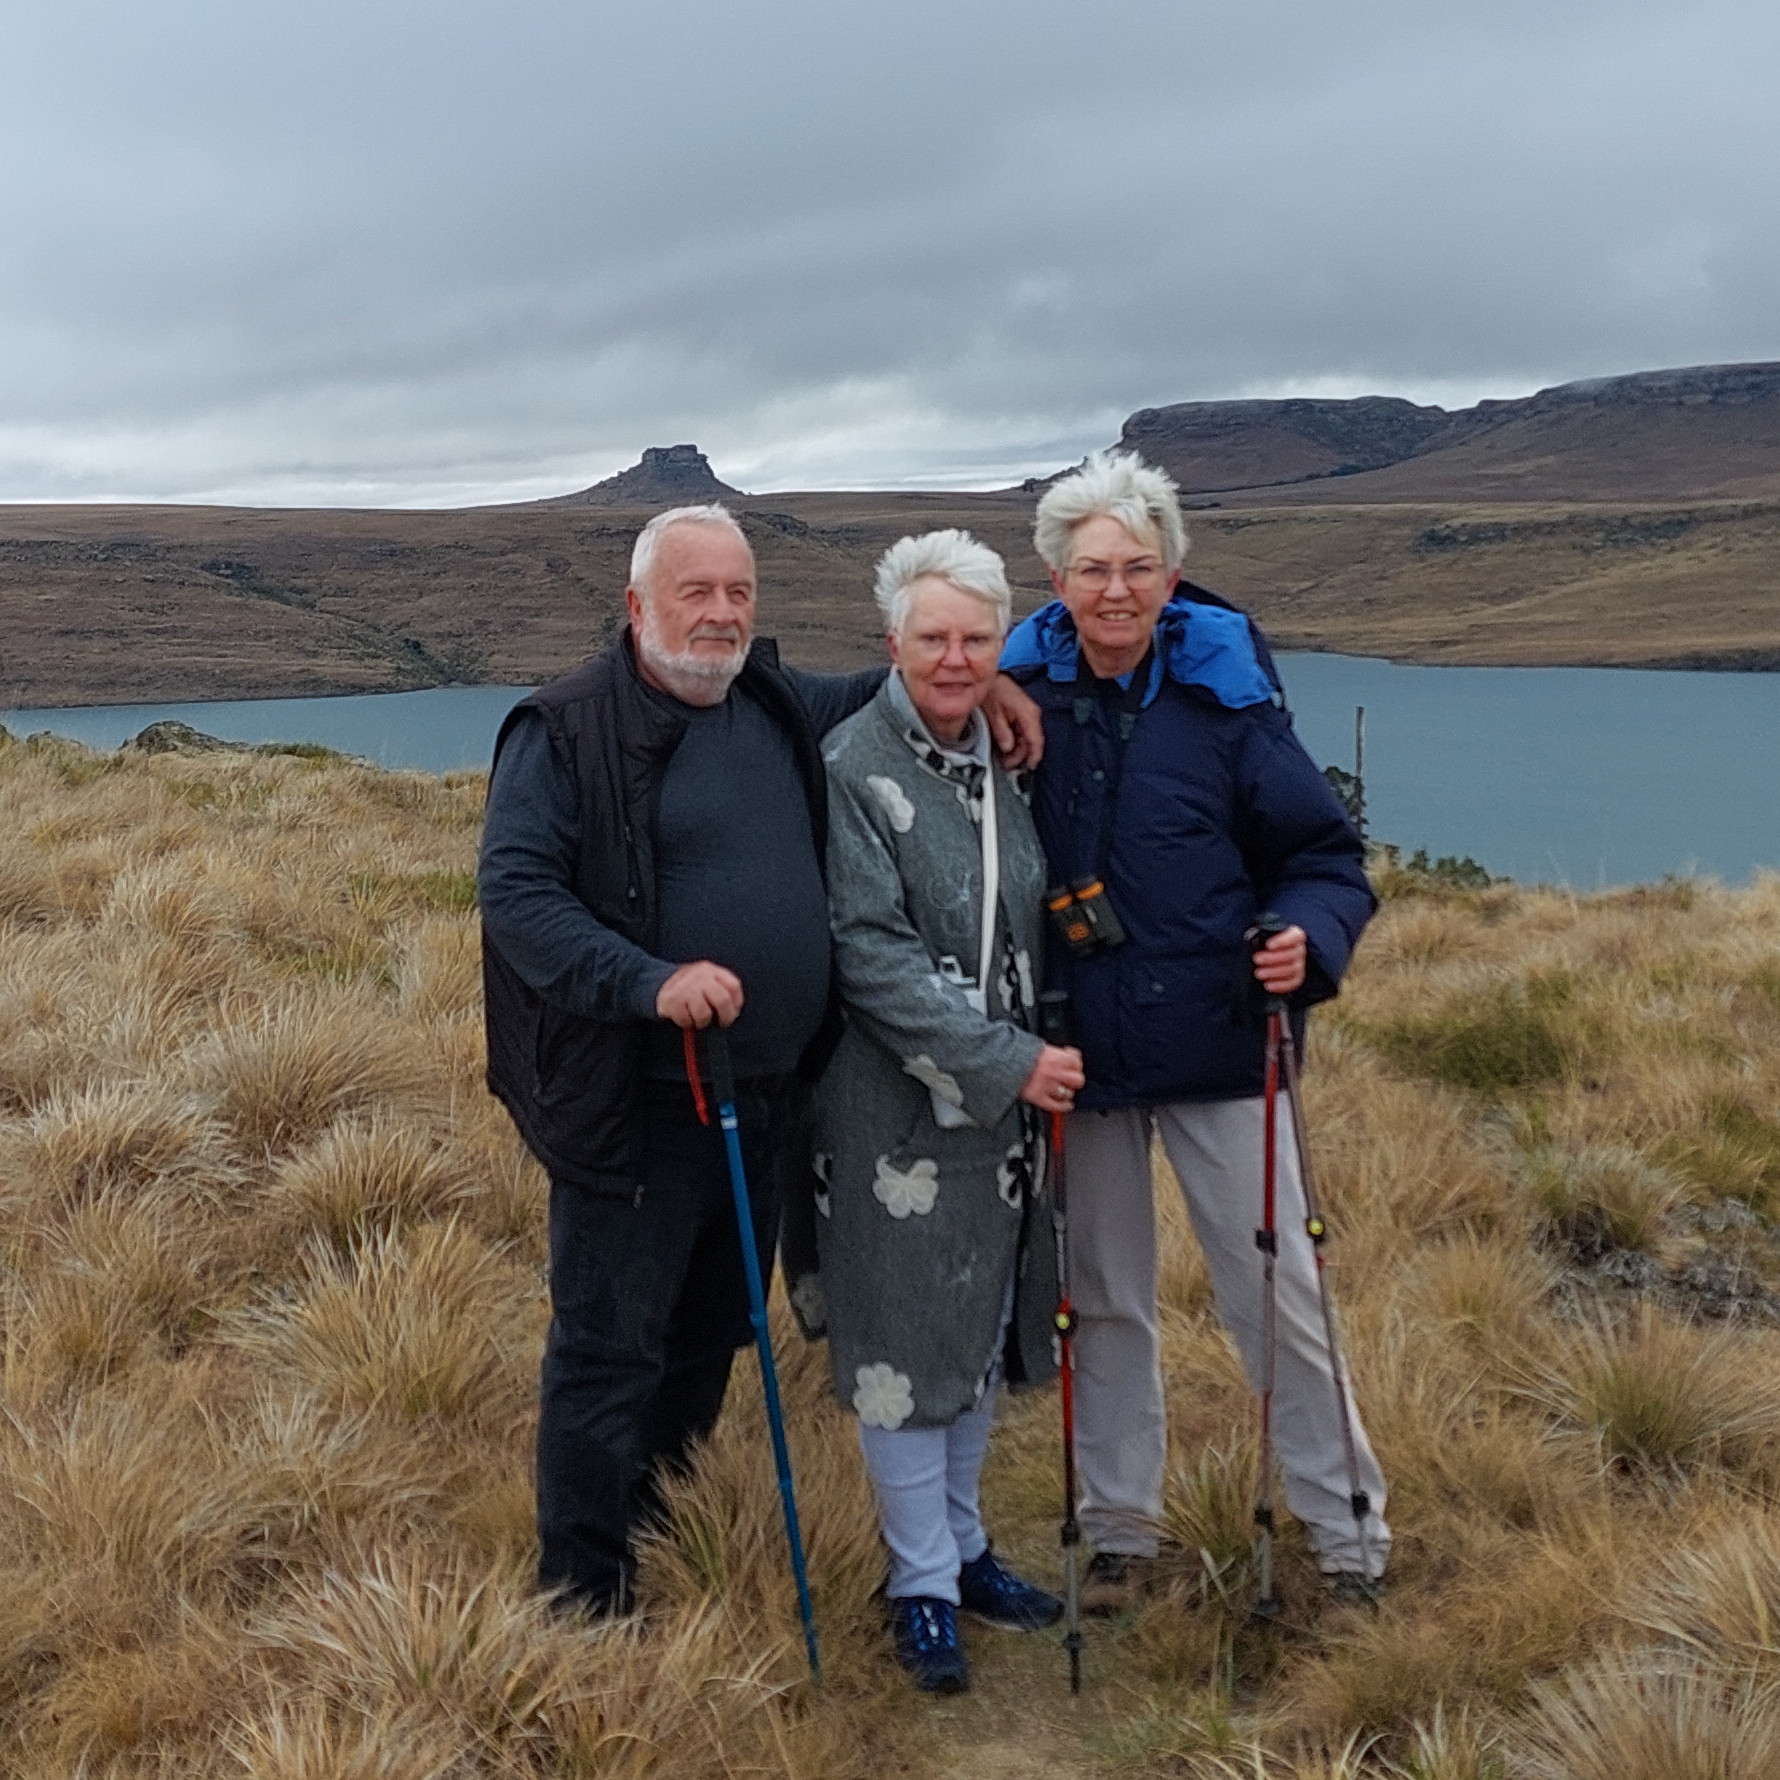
(957, 559)
(1120, 485)
(642, 556)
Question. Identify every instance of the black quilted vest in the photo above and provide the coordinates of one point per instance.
(570, 1081)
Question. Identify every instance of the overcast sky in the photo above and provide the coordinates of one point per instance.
(354, 252)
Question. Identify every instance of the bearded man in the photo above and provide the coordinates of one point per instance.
(652, 861)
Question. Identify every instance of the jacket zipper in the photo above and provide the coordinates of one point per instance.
(633, 889)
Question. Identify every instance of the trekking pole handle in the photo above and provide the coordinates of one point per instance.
(1053, 1016)
(722, 1073)
(1268, 925)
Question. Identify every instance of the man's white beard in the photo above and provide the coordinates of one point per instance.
(692, 678)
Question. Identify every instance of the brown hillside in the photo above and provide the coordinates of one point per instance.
(122, 605)
(119, 605)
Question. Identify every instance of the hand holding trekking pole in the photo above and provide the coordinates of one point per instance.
(1054, 1080)
(1282, 955)
(697, 994)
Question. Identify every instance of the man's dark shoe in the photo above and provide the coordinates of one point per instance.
(589, 1605)
(1115, 1581)
(1350, 1589)
(927, 1644)
(994, 1594)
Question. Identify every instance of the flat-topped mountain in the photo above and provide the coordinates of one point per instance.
(1703, 432)
(666, 476)
(1208, 447)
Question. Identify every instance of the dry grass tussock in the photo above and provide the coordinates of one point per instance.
(272, 1301)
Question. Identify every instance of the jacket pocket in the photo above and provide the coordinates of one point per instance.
(1177, 1039)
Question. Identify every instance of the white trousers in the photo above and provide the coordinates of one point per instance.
(926, 1483)
(1215, 1150)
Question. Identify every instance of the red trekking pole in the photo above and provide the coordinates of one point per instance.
(1053, 1027)
(1267, 1241)
(1282, 1047)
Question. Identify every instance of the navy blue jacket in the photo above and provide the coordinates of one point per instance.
(1213, 814)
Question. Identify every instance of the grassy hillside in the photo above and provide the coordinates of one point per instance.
(1532, 586)
(121, 605)
(272, 1306)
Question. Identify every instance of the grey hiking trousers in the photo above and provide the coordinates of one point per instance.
(1215, 1150)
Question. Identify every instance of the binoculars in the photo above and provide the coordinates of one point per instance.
(1083, 916)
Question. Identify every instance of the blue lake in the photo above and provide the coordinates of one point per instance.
(1579, 776)
(440, 731)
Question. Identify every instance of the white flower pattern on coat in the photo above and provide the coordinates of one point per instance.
(883, 1397)
(895, 801)
(930, 1075)
(902, 1191)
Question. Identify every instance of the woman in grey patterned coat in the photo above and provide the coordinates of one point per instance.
(937, 1273)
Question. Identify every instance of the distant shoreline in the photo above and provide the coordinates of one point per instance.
(1768, 663)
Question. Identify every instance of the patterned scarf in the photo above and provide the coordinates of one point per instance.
(964, 767)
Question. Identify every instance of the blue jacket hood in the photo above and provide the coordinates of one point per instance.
(1211, 647)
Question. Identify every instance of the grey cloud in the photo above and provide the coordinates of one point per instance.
(377, 252)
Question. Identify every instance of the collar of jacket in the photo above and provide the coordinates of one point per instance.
(972, 750)
(1210, 647)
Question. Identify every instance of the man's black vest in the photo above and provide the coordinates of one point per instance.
(570, 1081)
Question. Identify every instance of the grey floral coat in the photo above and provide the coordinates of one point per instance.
(912, 1233)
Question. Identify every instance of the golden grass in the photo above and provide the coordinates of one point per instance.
(271, 1300)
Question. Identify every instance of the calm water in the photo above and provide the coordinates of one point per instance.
(1579, 776)
(441, 731)
(1583, 776)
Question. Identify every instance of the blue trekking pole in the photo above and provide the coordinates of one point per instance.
(723, 1092)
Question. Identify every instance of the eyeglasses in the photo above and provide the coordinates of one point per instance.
(933, 645)
(1097, 577)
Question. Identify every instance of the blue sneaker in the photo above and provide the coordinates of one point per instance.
(994, 1594)
(927, 1644)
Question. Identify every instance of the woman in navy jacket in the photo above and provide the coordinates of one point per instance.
(1171, 775)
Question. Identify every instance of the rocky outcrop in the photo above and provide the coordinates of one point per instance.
(1212, 446)
(666, 476)
(1696, 387)
(1681, 432)
(170, 736)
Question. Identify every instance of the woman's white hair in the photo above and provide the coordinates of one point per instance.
(957, 559)
(642, 555)
(1121, 486)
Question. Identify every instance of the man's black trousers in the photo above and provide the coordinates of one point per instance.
(648, 1305)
